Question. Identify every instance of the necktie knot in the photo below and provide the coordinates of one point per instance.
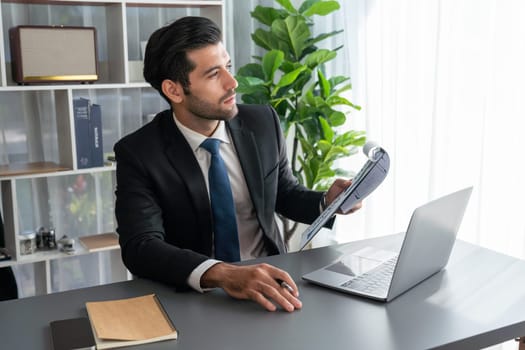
(211, 145)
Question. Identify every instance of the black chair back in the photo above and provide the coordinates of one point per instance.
(8, 286)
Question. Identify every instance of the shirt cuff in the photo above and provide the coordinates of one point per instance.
(194, 280)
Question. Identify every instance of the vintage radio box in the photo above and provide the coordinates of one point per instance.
(47, 54)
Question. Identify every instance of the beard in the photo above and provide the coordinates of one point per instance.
(211, 111)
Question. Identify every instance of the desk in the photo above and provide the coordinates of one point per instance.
(477, 301)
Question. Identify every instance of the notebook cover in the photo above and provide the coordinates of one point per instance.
(72, 334)
(131, 321)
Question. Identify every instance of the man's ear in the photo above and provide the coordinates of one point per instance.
(173, 90)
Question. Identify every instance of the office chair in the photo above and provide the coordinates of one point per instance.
(8, 286)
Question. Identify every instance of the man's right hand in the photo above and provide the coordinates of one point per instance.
(256, 282)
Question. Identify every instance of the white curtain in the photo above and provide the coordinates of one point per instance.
(441, 86)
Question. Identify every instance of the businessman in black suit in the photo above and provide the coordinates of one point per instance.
(165, 220)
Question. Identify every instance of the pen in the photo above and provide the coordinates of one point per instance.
(285, 285)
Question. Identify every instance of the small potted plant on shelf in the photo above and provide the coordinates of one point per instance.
(291, 77)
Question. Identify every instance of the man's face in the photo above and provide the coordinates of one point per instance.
(212, 86)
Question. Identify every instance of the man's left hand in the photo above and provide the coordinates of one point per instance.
(337, 187)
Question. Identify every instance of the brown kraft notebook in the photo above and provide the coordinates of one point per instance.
(132, 321)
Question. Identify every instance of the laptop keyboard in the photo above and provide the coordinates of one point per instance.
(375, 281)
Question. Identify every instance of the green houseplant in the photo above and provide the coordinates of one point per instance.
(291, 77)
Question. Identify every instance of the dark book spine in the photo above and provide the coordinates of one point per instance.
(82, 132)
(95, 118)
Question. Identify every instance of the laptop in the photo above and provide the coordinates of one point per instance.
(383, 275)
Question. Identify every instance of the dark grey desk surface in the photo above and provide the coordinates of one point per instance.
(477, 301)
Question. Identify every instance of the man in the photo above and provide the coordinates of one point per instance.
(168, 225)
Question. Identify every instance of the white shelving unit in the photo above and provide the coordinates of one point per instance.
(37, 126)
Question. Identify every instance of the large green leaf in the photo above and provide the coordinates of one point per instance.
(324, 146)
(338, 80)
(328, 132)
(307, 147)
(338, 100)
(309, 97)
(252, 70)
(308, 50)
(264, 39)
(322, 8)
(319, 102)
(287, 4)
(251, 85)
(344, 88)
(323, 36)
(310, 127)
(308, 172)
(319, 57)
(306, 5)
(323, 84)
(352, 137)
(337, 118)
(289, 78)
(320, 171)
(303, 79)
(335, 153)
(255, 98)
(271, 63)
(293, 32)
(266, 15)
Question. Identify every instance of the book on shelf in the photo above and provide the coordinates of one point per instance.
(132, 321)
(82, 131)
(88, 133)
(102, 241)
(73, 333)
(95, 119)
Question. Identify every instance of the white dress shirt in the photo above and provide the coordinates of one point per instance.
(251, 241)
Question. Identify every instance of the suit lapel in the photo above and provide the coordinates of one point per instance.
(247, 150)
(182, 159)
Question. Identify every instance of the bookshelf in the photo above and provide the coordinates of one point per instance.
(41, 184)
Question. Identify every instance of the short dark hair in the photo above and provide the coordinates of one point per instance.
(165, 56)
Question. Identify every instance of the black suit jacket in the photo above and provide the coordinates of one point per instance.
(163, 209)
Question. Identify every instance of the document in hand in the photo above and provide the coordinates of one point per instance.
(365, 182)
(132, 321)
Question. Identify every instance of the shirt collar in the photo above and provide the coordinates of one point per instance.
(195, 139)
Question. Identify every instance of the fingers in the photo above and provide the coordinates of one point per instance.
(337, 187)
(269, 286)
(356, 207)
(262, 300)
(260, 284)
(280, 296)
(287, 289)
(283, 280)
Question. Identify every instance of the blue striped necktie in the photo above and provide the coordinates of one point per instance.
(226, 240)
